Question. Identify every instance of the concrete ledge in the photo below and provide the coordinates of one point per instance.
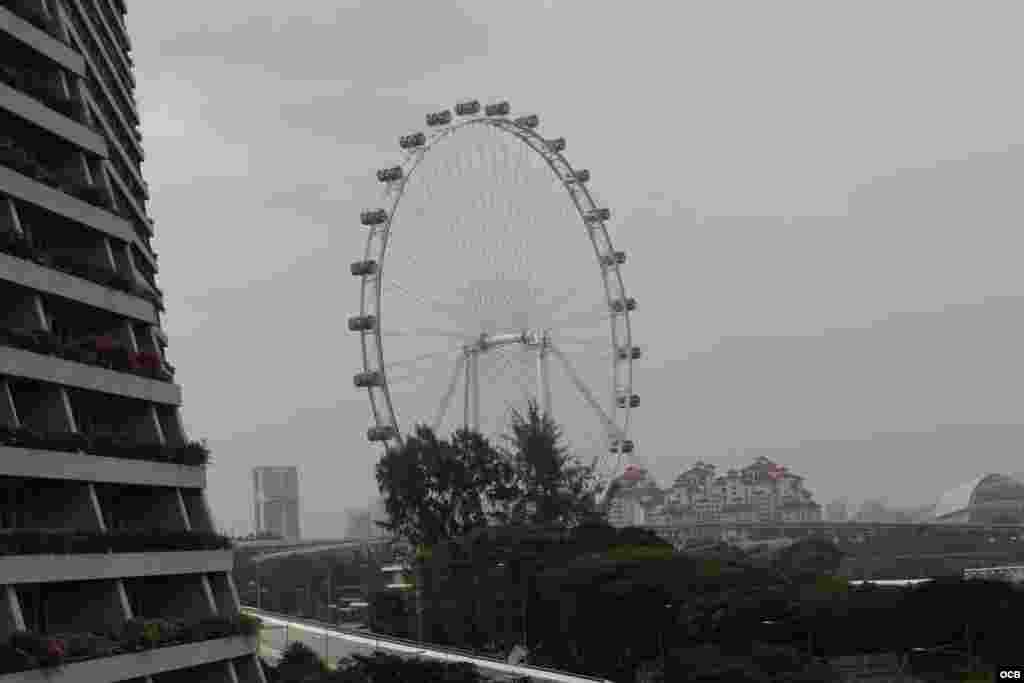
(41, 41)
(34, 192)
(23, 462)
(21, 363)
(140, 664)
(33, 276)
(34, 111)
(17, 569)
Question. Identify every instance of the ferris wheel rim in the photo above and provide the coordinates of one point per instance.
(384, 412)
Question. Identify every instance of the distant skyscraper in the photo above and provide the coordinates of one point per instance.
(276, 499)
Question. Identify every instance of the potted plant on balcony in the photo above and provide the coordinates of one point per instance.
(68, 442)
(208, 628)
(92, 194)
(47, 650)
(26, 437)
(194, 453)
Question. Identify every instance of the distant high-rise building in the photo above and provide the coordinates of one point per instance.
(276, 501)
(91, 440)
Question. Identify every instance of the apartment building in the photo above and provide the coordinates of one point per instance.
(110, 567)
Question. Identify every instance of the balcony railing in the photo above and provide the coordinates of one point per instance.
(19, 158)
(26, 650)
(194, 453)
(74, 541)
(98, 351)
(22, 247)
(32, 12)
(43, 87)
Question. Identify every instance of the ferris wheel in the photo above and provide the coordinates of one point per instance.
(487, 298)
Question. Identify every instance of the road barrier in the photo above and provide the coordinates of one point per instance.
(333, 644)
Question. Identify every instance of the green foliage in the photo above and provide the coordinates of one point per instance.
(299, 663)
(553, 487)
(639, 552)
(436, 489)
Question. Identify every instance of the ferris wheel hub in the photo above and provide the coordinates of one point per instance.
(527, 338)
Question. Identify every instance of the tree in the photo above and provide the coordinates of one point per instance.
(553, 487)
(436, 489)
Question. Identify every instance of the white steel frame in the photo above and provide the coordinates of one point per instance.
(616, 424)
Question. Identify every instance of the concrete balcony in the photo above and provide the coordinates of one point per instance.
(18, 569)
(41, 41)
(20, 363)
(137, 665)
(33, 276)
(34, 111)
(34, 192)
(23, 462)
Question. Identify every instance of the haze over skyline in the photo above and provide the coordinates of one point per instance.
(819, 204)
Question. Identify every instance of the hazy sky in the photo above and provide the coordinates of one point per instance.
(820, 203)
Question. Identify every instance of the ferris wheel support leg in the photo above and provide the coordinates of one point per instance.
(467, 390)
(476, 391)
(543, 382)
(452, 385)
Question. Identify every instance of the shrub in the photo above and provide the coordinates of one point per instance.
(48, 651)
(209, 628)
(195, 453)
(299, 663)
(86, 645)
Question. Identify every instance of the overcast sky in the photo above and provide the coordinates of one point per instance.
(820, 203)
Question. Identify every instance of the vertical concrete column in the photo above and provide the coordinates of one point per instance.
(211, 602)
(173, 430)
(123, 605)
(224, 593)
(9, 219)
(53, 9)
(77, 85)
(182, 510)
(77, 170)
(8, 413)
(106, 256)
(13, 620)
(96, 521)
(101, 179)
(50, 413)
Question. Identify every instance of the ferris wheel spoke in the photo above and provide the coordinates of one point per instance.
(449, 392)
(411, 362)
(425, 301)
(581, 387)
(426, 332)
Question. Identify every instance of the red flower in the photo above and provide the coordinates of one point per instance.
(104, 343)
(149, 360)
(55, 648)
